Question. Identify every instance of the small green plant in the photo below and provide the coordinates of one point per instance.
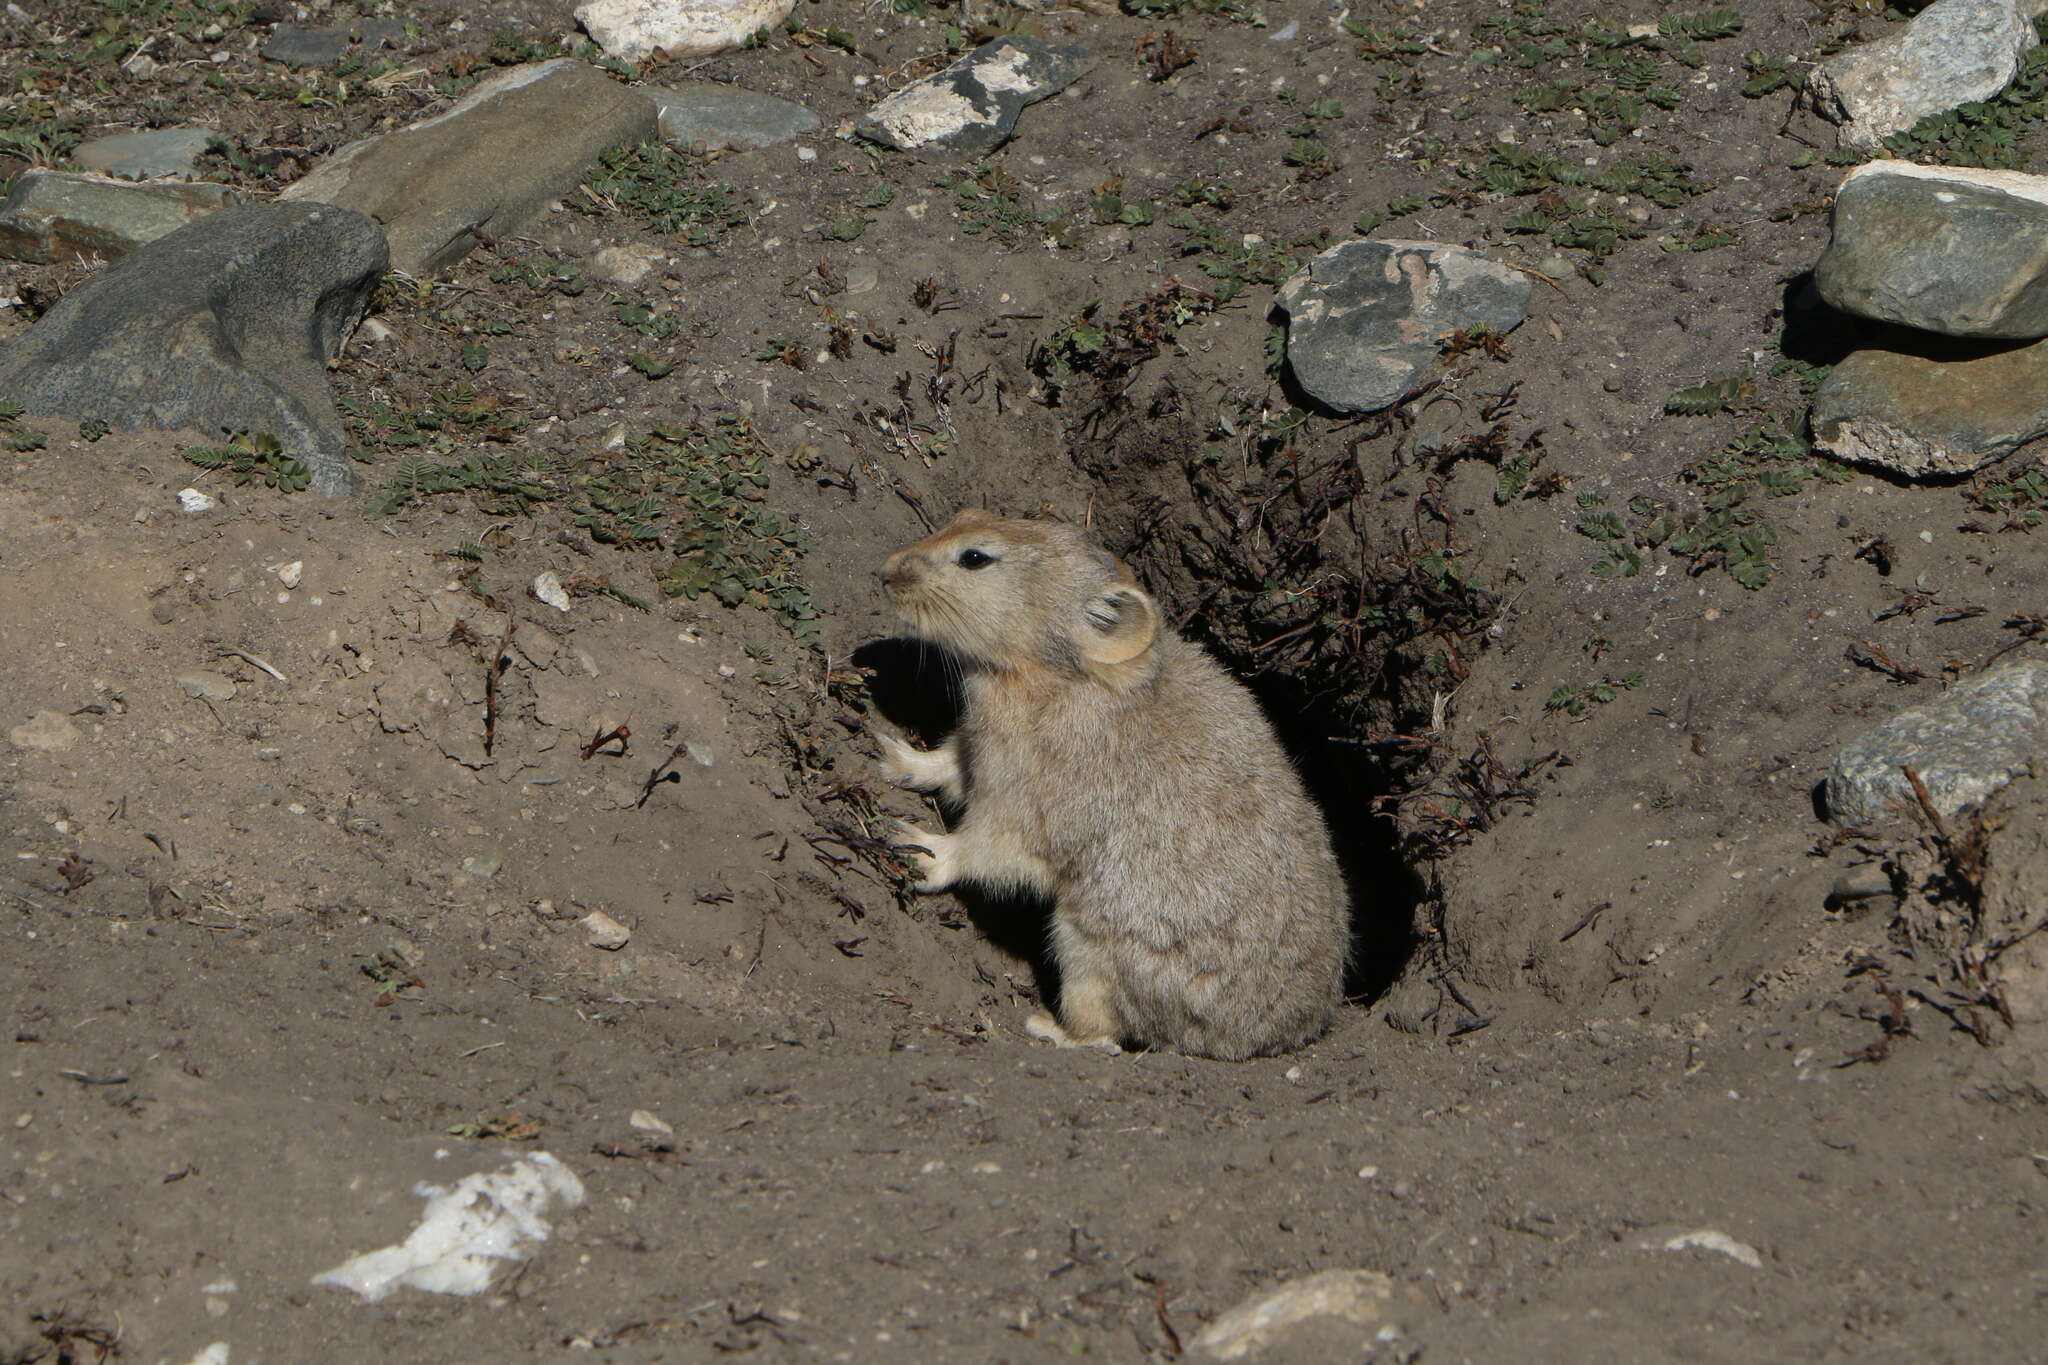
(1075, 342)
(1714, 396)
(254, 458)
(2022, 500)
(542, 277)
(21, 439)
(1577, 700)
(661, 188)
(990, 202)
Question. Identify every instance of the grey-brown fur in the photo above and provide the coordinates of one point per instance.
(1110, 764)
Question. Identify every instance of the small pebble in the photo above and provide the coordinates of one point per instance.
(602, 931)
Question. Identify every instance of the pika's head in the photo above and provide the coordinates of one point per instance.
(1016, 595)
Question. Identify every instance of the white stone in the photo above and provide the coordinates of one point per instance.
(602, 931)
(1360, 1296)
(631, 29)
(192, 500)
(548, 588)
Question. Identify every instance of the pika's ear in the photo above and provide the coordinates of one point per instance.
(1117, 626)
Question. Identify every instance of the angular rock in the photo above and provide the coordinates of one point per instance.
(632, 29)
(624, 265)
(1365, 319)
(203, 684)
(47, 730)
(1953, 250)
(1357, 1299)
(172, 152)
(55, 216)
(1965, 747)
(226, 324)
(1925, 406)
(296, 46)
(725, 116)
(1952, 52)
(489, 165)
(972, 106)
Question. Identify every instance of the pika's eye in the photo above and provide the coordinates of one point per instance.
(974, 559)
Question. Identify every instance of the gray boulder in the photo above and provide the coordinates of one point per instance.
(1958, 251)
(1965, 746)
(972, 106)
(725, 116)
(172, 152)
(1365, 319)
(54, 215)
(227, 324)
(1926, 406)
(487, 167)
(1952, 52)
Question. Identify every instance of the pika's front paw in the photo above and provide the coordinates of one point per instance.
(1043, 1026)
(920, 770)
(933, 857)
(902, 762)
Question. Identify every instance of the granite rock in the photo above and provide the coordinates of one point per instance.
(1954, 250)
(297, 46)
(1365, 319)
(489, 166)
(55, 215)
(972, 106)
(633, 29)
(160, 153)
(1924, 406)
(1951, 53)
(726, 117)
(226, 324)
(1965, 746)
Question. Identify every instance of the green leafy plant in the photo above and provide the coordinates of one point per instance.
(254, 458)
(662, 189)
(1704, 400)
(1577, 700)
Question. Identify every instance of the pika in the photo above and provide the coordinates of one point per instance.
(1111, 765)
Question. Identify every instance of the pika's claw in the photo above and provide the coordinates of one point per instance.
(932, 856)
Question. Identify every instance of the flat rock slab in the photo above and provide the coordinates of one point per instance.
(1953, 52)
(1966, 746)
(1929, 407)
(725, 117)
(490, 165)
(1343, 1308)
(56, 216)
(972, 106)
(633, 29)
(297, 46)
(1953, 250)
(165, 152)
(224, 325)
(1365, 319)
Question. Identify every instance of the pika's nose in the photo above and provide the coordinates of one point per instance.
(898, 570)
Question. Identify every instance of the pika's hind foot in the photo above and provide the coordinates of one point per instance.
(1043, 1026)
